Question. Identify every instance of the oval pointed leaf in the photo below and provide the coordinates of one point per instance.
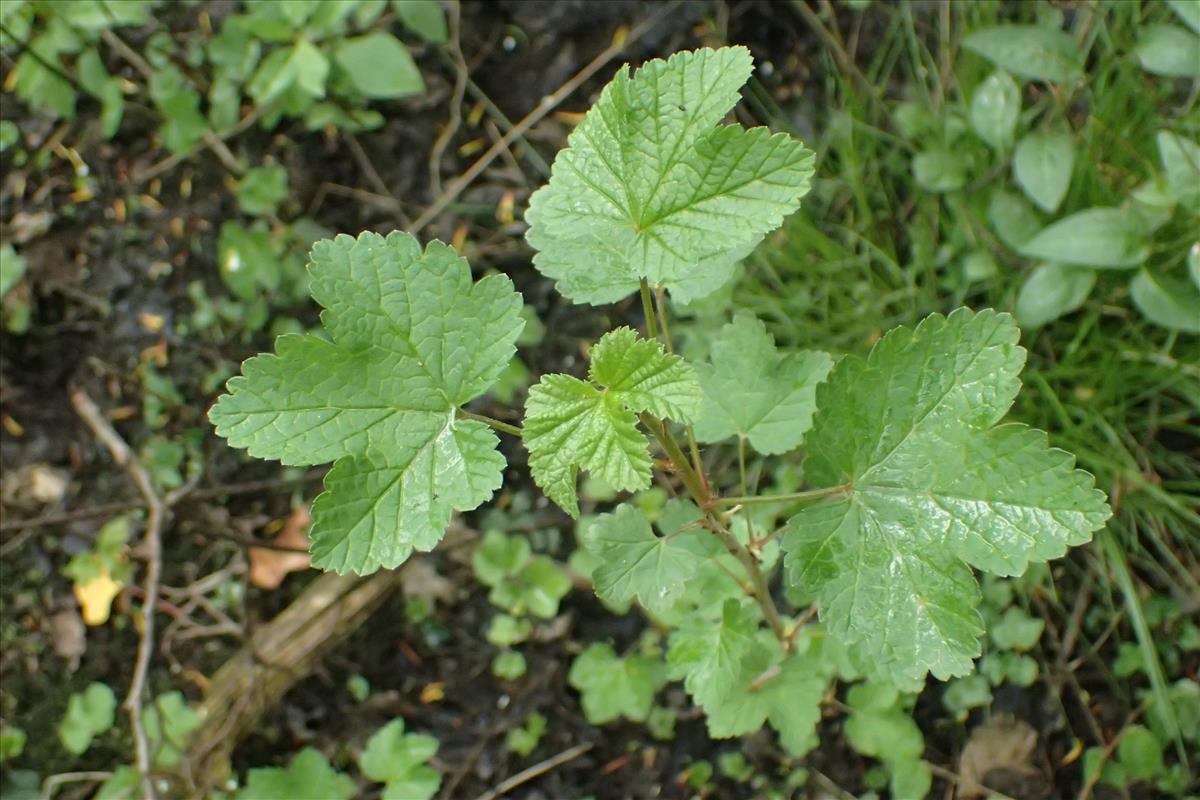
(1042, 167)
(1029, 51)
(1167, 301)
(995, 108)
(1169, 50)
(1096, 237)
(1052, 291)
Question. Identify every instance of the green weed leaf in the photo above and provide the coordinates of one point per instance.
(1168, 50)
(572, 424)
(648, 188)
(398, 759)
(426, 18)
(411, 340)
(612, 687)
(1187, 11)
(1181, 163)
(1052, 291)
(168, 722)
(1171, 302)
(1109, 238)
(262, 189)
(753, 390)
(708, 655)
(1042, 167)
(995, 108)
(89, 714)
(308, 775)
(379, 66)
(930, 482)
(1029, 51)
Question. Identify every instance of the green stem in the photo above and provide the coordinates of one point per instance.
(503, 427)
(793, 497)
(698, 488)
(648, 310)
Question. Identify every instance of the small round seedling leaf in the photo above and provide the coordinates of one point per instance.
(89, 714)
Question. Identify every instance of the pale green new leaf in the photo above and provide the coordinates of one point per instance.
(1169, 50)
(398, 759)
(611, 686)
(634, 562)
(412, 340)
(648, 188)
(931, 486)
(572, 424)
(753, 390)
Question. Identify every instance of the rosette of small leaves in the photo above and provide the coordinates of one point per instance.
(409, 339)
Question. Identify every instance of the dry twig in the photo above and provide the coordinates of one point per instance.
(156, 509)
(544, 107)
(540, 768)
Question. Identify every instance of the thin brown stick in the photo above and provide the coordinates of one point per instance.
(52, 782)
(540, 768)
(547, 104)
(90, 413)
(454, 19)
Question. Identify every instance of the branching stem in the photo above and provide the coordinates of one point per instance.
(698, 488)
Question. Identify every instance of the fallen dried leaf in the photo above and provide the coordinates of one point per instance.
(419, 578)
(269, 567)
(999, 750)
(69, 636)
(47, 484)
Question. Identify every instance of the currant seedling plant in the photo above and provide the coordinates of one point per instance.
(911, 479)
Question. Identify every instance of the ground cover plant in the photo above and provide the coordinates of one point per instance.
(707, 459)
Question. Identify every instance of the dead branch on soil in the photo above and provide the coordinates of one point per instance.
(278, 655)
(156, 510)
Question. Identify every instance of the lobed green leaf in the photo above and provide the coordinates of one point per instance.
(412, 339)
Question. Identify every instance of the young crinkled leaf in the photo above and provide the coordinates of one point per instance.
(648, 188)
(411, 340)
(634, 562)
(753, 390)
(931, 486)
(592, 424)
(308, 775)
